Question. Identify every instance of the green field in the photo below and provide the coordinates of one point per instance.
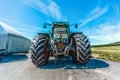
(109, 52)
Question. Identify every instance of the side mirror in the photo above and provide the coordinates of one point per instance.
(76, 26)
(45, 25)
(50, 31)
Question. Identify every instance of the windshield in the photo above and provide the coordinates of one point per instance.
(60, 33)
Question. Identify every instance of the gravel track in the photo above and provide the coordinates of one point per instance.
(19, 67)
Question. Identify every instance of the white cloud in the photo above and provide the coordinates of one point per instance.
(48, 7)
(115, 7)
(94, 11)
(29, 31)
(94, 14)
(23, 27)
(21, 24)
(107, 33)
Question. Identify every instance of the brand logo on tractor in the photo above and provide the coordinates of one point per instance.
(60, 45)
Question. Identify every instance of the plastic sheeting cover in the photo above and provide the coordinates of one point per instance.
(2, 39)
(9, 29)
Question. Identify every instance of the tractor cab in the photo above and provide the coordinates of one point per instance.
(60, 34)
(60, 30)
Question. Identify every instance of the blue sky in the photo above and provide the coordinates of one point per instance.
(98, 19)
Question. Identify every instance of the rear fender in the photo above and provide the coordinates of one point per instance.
(44, 34)
(71, 36)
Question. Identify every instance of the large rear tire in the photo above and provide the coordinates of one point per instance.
(38, 49)
(82, 53)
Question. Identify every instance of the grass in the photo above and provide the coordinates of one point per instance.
(107, 52)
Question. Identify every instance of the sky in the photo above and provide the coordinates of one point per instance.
(97, 19)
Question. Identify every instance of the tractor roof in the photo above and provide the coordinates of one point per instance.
(60, 23)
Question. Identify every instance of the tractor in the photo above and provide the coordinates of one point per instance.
(60, 41)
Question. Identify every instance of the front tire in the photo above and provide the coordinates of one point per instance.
(38, 50)
(82, 53)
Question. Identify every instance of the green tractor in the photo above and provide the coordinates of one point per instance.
(60, 41)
